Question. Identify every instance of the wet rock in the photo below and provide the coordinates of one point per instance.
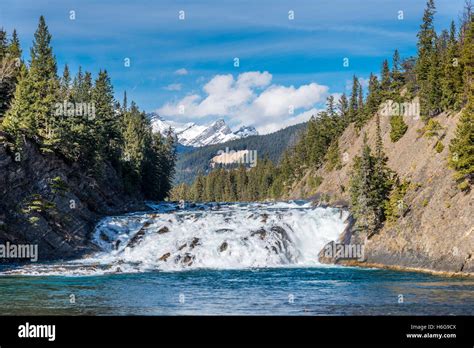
(117, 244)
(261, 233)
(223, 230)
(280, 231)
(223, 247)
(137, 238)
(182, 246)
(194, 242)
(188, 259)
(163, 230)
(104, 237)
(164, 257)
(61, 232)
(264, 218)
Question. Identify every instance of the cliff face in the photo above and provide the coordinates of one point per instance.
(52, 203)
(436, 232)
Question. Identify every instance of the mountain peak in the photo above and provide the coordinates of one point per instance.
(191, 134)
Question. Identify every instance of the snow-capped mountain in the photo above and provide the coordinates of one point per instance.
(191, 134)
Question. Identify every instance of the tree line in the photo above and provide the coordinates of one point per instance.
(78, 118)
(441, 75)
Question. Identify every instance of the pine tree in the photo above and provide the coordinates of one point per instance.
(361, 115)
(3, 43)
(398, 127)
(462, 145)
(10, 67)
(65, 85)
(343, 109)
(36, 94)
(105, 126)
(433, 97)
(451, 84)
(14, 48)
(333, 157)
(467, 58)
(125, 103)
(386, 82)
(353, 104)
(373, 97)
(360, 190)
(396, 76)
(426, 52)
(370, 185)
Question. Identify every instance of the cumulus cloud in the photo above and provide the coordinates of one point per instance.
(181, 71)
(249, 99)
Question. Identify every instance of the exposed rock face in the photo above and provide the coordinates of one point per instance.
(437, 231)
(52, 203)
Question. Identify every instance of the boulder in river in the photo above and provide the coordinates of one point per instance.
(194, 242)
(261, 233)
(137, 238)
(164, 257)
(223, 247)
(163, 230)
(188, 259)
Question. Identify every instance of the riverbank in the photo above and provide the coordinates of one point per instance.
(435, 231)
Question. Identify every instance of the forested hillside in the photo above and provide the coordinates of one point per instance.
(191, 162)
(70, 151)
(438, 80)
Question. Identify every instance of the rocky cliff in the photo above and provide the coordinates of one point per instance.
(436, 231)
(52, 203)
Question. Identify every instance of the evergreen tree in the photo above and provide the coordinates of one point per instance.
(353, 104)
(373, 97)
(462, 145)
(36, 93)
(386, 81)
(333, 157)
(398, 127)
(125, 103)
(361, 115)
(65, 84)
(14, 49)
(426, 52)
(3, 43)
(10, 67)
(396, 76)
(467, 59)
(451, 84)
(343, 109)
(106, 127)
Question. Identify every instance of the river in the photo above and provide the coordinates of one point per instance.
(223, 259)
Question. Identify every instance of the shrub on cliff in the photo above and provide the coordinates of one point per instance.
(398, 128)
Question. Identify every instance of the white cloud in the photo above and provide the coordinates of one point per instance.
(173, 87)
(249, 99)
(181, 71)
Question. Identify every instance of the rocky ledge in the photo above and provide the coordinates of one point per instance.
(49, 202)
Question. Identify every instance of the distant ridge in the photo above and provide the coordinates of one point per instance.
(192, 161)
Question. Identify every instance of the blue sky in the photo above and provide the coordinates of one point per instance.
(284, 64)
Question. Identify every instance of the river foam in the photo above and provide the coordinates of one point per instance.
(212, 235)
